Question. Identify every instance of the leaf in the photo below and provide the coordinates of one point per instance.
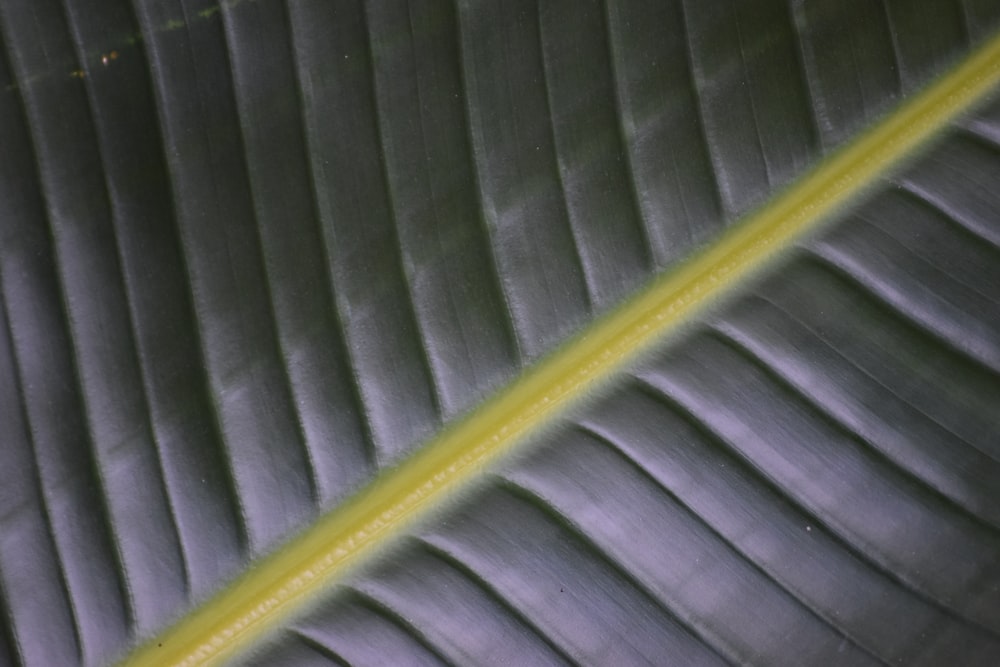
(255, 253)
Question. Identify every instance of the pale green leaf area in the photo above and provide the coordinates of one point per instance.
(473, 332)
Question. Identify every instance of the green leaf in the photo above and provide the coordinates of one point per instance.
(256, 255)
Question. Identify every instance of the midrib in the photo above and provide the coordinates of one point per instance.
(280, 585)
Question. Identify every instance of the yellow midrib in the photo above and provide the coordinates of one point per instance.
(283, 583)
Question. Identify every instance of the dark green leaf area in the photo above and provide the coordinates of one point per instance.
(808, 477)
(252, 253)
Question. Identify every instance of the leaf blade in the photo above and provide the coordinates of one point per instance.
(336, 542)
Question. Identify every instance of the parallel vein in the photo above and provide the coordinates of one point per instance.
(283, 583)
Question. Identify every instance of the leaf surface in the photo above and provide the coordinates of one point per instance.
(255, 253)
(806, 476)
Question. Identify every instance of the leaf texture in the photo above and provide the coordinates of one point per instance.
(253, 253)
(808, 476)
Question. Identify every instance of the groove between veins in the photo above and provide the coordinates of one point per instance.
(286, 581)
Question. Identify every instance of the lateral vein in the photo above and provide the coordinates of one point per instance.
(285, 582)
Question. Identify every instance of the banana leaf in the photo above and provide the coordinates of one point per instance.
(258, 256)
